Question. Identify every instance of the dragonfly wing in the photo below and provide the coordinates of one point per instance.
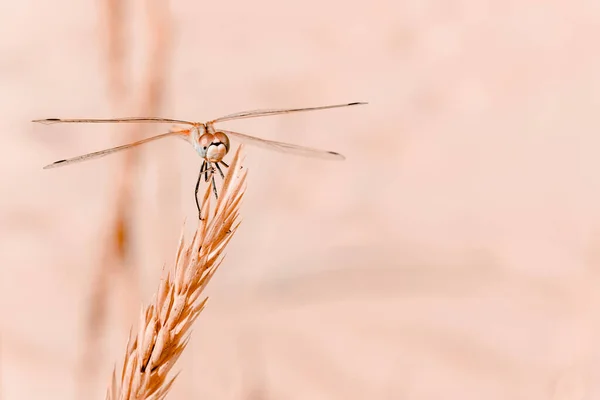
(267, 112)
(102, 153)
(284, 147)
(49, 121)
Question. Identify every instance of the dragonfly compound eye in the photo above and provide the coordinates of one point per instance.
(222, 138)
(204, 143)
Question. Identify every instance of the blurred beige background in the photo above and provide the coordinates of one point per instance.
(453, 255)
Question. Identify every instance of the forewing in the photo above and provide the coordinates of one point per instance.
(267, 112)
(49, 121)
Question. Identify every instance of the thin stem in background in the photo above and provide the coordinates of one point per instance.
(117, 260)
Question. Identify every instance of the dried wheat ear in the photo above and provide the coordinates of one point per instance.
(165, 325)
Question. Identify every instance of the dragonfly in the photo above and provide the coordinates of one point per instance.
(211, 144)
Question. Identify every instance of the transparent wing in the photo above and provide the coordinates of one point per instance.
(284, 147)
(102, 153)
(262, 113)
(49, 121)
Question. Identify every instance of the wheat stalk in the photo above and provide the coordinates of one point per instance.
(165, 325)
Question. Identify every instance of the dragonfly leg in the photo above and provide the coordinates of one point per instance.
(214, 187)
(225, 164)
(209, 173)
(220, 170)
(206, 171)
(202, 169)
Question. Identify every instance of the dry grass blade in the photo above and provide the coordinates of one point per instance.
(165, 324)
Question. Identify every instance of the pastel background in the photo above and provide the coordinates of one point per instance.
(454, 255)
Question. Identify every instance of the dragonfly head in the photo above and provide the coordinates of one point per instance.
(213, 146)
